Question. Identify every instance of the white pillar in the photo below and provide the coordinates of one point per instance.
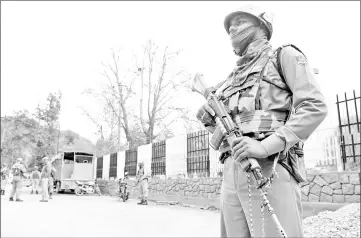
(214, 163)
(145, 156)
(95, 162)
(120, 164)
(176, 156)
(106, 164)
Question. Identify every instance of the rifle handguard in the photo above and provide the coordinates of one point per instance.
(217, 138)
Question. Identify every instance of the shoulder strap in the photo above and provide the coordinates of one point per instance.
(278, 52)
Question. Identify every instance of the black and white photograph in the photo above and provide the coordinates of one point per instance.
(180, 119)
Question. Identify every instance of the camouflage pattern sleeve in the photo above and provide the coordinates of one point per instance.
(308, 102)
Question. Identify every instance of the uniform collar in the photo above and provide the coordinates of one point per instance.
(253, 50)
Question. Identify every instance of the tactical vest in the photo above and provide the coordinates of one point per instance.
(243, 103)
(16, 171)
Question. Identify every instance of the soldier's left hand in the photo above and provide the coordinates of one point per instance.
(244, 147)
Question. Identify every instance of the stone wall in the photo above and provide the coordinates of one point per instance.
(332, 187)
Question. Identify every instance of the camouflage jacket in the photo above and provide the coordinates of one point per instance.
(18, 169)
(261, 103)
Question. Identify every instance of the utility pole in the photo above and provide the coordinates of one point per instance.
(57, 146)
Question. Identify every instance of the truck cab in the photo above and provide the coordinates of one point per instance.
(70, 167)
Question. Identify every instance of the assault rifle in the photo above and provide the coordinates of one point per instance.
(250, 165)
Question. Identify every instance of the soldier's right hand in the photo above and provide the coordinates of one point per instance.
(206, 115)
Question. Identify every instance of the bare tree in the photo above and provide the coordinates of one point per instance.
(156, 112)
(115, 97)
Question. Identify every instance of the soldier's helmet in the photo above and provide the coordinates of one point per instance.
(265, 18)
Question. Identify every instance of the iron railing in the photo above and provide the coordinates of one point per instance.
(131, 157)
(198, 153)
(99, 167)
(113, 165)
(158, 158)
(349, 126)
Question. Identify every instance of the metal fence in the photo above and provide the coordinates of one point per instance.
(158, 158)
(349, 126)
(198, 153)
(100, 167)
(113, 165)
(131, 158)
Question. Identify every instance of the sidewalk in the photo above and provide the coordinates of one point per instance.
(309, 208)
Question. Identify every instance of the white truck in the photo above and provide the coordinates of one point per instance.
(70, 167)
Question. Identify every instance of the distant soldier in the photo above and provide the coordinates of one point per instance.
(4, 178)
(35, 180)
(142, 179)
(18, 170)
(96, 188)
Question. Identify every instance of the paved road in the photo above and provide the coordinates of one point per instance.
(93, 216)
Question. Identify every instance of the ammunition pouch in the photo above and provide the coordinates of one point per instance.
(294, 163)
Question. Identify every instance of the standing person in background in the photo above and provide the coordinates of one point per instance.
(45, 175)
(18, 170)
(35, 180)
(51, 181)
(142, 179)
(4, 177)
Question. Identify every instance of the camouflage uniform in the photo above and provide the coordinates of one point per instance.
(4, 179)
(143, 181)
(265, 103)
(35, 180)
(18, 170)
(45, 175)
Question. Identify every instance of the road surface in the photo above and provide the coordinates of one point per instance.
(68, 215)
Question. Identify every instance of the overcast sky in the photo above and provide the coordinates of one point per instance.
(51, 46)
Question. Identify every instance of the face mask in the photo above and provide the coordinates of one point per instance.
(241, 41)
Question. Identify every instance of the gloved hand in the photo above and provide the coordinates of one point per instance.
(206, 115)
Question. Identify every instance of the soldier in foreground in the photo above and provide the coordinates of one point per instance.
(142, 179)
(273, 98)
(18, 170)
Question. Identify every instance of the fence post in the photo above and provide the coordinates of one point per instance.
(357, 121)
(341, 136)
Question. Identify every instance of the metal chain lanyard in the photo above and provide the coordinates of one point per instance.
(250, 202)
(271, 178)
(250, 208)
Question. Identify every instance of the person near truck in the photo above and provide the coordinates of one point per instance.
(51, 182)
(45, 175)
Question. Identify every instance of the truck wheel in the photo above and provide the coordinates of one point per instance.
(78, 191)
